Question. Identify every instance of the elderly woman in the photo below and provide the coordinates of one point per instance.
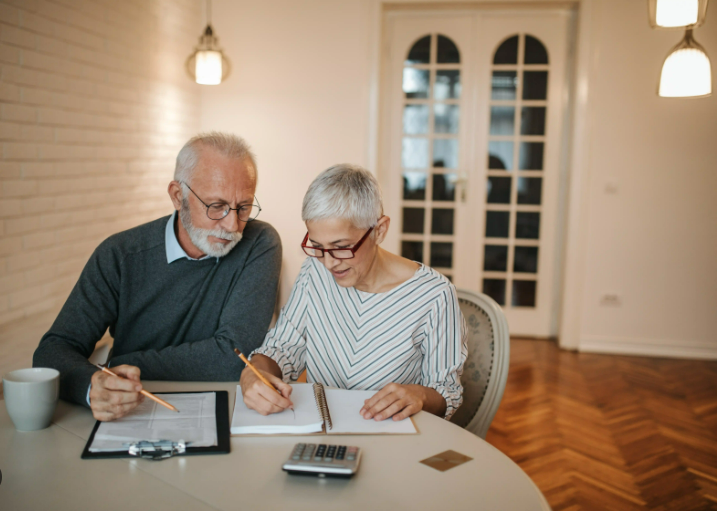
(360, 317)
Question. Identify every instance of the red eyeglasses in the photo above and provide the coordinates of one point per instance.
(339, 254)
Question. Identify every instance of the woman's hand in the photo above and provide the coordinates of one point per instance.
(262, 398)
(395, 400)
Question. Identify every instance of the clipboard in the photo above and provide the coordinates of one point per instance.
(222, 446)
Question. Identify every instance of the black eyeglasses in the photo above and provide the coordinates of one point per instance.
(217, 211)
(338, 254)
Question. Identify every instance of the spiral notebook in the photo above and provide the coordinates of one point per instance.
(317, 409)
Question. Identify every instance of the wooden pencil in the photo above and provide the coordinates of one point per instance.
(144, 392)
(256, 372)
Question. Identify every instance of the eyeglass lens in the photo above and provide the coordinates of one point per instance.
(219, 211)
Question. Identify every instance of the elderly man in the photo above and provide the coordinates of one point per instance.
(179, 293)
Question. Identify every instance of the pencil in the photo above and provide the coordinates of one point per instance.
(256, 372)
(261, 377)
(144, 392)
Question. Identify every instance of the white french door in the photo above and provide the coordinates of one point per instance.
(472, 122)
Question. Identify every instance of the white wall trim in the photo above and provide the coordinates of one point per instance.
(681, 349)
(575, 251)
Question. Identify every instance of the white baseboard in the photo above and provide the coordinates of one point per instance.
(649, 347)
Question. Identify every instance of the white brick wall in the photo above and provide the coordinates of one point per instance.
(95, 104)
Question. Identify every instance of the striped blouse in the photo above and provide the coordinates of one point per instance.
(346, 338)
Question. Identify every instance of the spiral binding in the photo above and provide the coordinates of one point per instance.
(321, 405)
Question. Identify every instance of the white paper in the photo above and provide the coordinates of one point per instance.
(195, 423)
(344, 407)
(304, 419)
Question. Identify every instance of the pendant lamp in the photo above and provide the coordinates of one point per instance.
(208, 65)
(687, 71)
(677, 14)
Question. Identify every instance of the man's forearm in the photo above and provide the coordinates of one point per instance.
(75, 370)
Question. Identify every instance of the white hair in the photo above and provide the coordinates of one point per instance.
(344, 191)
(226, 144)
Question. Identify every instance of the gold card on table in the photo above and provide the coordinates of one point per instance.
(446, 460)
(317, 410)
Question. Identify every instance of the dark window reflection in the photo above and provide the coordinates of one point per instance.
(414, 185)
(507, 52)
(500, 155)
(447, 51)
(529, 190)
(497, 224)
(413, 220)
(523, 293)
(442, 221)
(498, 190)
(527, 225)
(412, 251)
(496, 258)
(442, 254)
(535, 85)
(503, 85)
(532, 121)
(525, 259)
(531, 156)
(495, 289)
(535, 52)
(444, 187)
(420, 52)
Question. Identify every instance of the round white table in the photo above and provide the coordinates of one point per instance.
(43, 470)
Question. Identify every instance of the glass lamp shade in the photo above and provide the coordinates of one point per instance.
(672, 14)
(686, 72)
(208, 65)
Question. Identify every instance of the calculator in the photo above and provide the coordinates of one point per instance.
(323, 460)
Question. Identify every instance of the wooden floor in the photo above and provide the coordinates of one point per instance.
(611, 432)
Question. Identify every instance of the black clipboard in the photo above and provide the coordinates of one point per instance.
(223, 443)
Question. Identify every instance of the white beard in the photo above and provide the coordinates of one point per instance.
(199, 236)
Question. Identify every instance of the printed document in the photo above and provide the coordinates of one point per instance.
(195, 423)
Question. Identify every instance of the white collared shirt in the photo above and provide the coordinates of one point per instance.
(171, 244)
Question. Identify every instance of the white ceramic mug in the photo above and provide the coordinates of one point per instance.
(31, 397)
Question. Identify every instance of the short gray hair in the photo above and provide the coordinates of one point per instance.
(344, 191)
(227, 144)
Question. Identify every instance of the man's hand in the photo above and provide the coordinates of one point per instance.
(260, 397)
(394, 400)
(113, 397)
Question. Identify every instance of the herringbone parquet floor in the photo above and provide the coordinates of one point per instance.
(603, 432)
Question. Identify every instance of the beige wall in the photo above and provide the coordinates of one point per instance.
(298, 94)
(301, 94)
(653, 240)
(95, 106)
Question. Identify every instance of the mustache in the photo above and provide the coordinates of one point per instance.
(234, 236)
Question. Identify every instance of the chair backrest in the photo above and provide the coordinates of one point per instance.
(485, 371)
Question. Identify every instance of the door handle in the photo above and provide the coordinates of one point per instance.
(461, 184)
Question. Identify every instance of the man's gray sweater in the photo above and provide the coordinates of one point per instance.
(175, 321)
